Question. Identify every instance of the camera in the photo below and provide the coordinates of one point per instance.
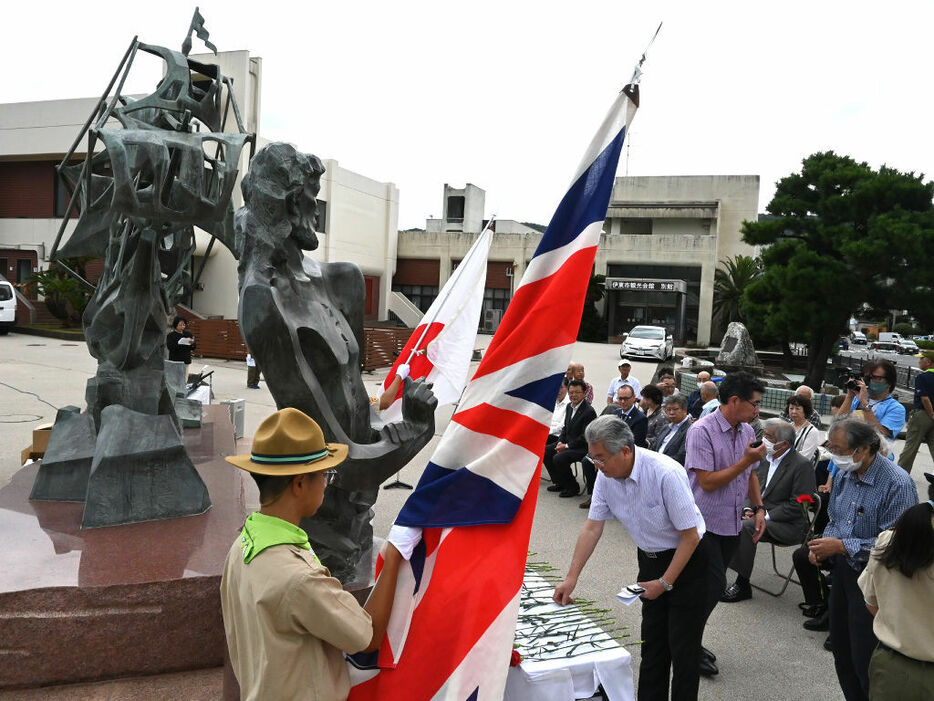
(851, 382)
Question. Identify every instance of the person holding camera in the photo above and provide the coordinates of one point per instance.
(872, 395)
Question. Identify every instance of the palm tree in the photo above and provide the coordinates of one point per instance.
(729, 284)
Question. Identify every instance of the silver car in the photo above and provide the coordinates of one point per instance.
(647, 342)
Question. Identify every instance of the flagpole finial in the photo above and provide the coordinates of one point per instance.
(637, 71)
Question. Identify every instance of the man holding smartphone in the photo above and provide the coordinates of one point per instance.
(650, 495)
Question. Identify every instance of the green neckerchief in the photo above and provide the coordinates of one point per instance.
(261, 531)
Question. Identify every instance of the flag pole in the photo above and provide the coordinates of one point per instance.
(398, 483)
(447, 295)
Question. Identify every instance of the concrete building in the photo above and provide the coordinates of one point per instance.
(427, 258)
(358, 216)
(663, 239)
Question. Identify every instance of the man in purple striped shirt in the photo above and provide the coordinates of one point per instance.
(721, 461)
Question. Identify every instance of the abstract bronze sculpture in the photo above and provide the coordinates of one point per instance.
(168, 167)
(303, 322)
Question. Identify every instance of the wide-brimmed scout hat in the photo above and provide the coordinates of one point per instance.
(289, 443)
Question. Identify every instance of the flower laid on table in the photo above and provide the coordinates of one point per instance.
(515, 658)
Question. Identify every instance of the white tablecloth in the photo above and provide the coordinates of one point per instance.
(579, 662)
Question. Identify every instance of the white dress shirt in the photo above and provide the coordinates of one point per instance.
(672, 430)
(653, 503)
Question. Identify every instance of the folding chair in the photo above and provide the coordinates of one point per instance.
(812, 512)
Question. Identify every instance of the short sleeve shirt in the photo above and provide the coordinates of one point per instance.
(924, 387)
(653, 503)
(714, 445)
(889, 412)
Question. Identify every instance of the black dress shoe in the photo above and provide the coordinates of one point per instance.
(827, 645)
(570, 492)
(812, 610)
(736, 592)
(821, 622)
(708, 668)
(584, 504)
(707, 654)
(554, 488)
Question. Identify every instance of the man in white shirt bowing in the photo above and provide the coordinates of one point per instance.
(650, 495)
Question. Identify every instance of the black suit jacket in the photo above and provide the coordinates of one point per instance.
(677, 446)
(794, 477)
(572, 434)
(637, 422)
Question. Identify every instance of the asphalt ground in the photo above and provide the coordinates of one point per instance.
(763, 652)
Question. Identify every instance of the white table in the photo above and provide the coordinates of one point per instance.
(565, 655)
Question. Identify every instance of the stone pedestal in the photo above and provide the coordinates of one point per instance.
(88, 604)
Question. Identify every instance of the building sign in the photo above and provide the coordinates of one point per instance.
(629, 284)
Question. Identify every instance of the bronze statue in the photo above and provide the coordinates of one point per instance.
(167, 167)
(303, 322)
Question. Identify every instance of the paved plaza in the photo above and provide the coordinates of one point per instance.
(763, 652)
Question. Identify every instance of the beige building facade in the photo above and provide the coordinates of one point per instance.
(659, 229)
(358, 216)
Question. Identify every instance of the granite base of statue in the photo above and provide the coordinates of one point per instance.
(737, 351)
(303, 322)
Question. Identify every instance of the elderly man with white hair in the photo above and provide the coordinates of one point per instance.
(709, 397)
(807, 392)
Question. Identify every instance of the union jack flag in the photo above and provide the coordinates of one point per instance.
(457, 599)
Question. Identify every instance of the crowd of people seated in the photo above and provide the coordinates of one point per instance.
(715, 434)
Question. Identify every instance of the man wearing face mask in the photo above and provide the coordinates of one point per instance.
(869, 493)
(785, 474)
(873, 396)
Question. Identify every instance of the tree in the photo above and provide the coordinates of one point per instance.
(65, 297)
(729, 285)
(842, 235)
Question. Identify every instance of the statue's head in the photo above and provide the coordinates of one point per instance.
(280, 188)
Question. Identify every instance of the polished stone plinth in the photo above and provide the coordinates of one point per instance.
(86, 604)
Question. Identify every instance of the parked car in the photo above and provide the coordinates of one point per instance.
(907, 347)
(883, 349)
(7, 307)
(858, 338)
(647, 341)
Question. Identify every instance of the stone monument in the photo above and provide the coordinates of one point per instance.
(303, 322)
(156, 167)
(737, 351)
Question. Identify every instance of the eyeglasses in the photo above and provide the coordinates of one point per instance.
(596, 461)
(756, 404)
(877, 378)
(329, 476)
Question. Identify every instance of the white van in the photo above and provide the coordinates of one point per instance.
(858, 338)
(7, 307)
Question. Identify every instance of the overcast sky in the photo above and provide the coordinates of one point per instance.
(507, 94)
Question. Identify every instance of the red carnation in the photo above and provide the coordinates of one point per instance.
(805, 499)
(515, 659)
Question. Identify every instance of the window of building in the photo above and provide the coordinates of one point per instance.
(455, 208)
(638, 227)
(420, 295)
(322, 213)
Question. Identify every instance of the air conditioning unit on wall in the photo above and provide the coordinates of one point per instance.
(491, 319)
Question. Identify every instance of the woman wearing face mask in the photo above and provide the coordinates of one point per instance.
(873, 397)
(898, 585)
(807, 438)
